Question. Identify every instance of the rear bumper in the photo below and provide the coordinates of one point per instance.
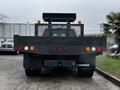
(86, 67)
(7, 49)
(59, 63)
(32, 61)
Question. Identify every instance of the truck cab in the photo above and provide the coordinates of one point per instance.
(58, 43)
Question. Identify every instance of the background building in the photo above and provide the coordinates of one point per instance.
(8, 30)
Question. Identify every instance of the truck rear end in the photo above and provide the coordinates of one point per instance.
(59, 45)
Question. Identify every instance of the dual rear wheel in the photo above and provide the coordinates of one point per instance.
(30, 72)
(86, 73)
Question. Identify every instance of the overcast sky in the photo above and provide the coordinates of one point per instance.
(90, 12)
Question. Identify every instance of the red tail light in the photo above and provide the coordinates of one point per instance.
(60, 49)
(65, 49)
(20, 47)
(100, 49)
(54, 49)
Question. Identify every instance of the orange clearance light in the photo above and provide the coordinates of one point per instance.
(38, 21)
(87, 49)
(79, 22)
(32, 48)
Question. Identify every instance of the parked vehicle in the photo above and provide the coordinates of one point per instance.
(114, 48)
(60, 45)
(8, 46)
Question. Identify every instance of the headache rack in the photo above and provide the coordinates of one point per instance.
(59, 17)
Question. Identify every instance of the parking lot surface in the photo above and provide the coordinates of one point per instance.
(12, 77)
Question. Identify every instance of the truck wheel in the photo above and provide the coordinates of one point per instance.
(30, 72)
(86, 73)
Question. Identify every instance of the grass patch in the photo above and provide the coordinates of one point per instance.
(109, 65)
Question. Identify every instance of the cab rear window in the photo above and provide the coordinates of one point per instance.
(58, 30)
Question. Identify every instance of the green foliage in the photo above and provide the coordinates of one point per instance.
(109, 65)
(113, 26)
(106, 28)
(113, 22)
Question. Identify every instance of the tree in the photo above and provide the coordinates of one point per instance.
(2, 23)
(113, 27)
(2, 17)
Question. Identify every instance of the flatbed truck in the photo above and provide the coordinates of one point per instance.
(58, 43)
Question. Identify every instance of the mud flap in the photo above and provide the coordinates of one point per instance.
(32, 61)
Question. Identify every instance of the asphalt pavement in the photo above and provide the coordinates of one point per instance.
(12, 77)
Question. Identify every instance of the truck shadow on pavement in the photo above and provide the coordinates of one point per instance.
(59, 73)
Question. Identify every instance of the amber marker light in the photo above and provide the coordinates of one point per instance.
(87, 49)
(79, 22)
(32, 48)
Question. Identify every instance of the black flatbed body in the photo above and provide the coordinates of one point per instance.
(60, 45)
(75, 45)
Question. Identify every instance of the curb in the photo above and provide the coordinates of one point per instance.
(111, 78)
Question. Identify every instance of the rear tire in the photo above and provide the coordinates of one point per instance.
(86, 73)
(30, 72)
